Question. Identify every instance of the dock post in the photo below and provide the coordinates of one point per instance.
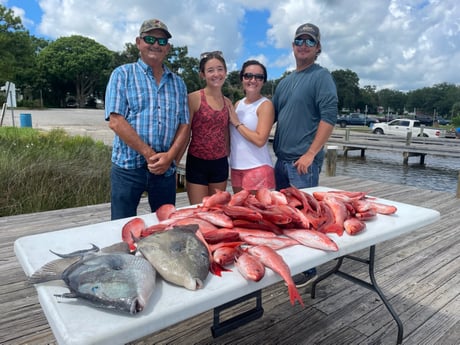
(408, 138)
(422, 159)
(347, 134)
(405, 158)
(458, 185)
(331, 160)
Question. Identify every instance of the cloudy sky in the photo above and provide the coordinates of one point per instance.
(400, 44)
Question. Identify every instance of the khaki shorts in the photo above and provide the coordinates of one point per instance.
(254, 179)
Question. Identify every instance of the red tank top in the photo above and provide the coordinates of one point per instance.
(209, 131)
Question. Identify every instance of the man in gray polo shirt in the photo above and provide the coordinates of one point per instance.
(306, 112)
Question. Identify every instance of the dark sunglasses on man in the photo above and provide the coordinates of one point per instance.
(152, 39)
(308, 42)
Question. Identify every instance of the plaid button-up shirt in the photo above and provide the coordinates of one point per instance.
(154, 111)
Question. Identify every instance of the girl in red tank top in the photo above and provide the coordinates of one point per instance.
(207, 163)
(209, 130)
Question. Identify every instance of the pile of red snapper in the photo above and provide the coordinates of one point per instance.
(247, 229)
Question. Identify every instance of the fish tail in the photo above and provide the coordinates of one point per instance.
(294, 295)
(37, 278)
(217, 269)
(53, 270)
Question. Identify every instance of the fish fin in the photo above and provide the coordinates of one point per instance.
(294, 295)
(78, 253)
(119, 247)
(66, 295)
(53, 270)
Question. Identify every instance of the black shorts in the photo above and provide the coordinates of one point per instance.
(204, 171)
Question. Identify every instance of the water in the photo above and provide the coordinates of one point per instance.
(438, 173)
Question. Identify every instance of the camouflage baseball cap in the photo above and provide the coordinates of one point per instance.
(152, 24)
(308, 29)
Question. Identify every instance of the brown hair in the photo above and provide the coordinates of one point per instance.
(205, 57)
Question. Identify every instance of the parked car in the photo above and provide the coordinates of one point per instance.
(400, 127)
(71, 103)
(385, 118)
(424, 119)
(356, 119)
(442, 121)
(94, 102)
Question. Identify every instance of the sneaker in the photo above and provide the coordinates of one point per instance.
(303, 279)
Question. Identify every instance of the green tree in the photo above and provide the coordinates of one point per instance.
(75, 64)
(187, 67)
(447, 95)
(368, 98)
(29, 77)
(8, 21)
(269, 88)
(130, 54)
(455, 113)
(347, 83)
(18, 55)
(436, 100)
(274, 83)
(16, 51)
(232, 87)
(392, 100)
(10, 26)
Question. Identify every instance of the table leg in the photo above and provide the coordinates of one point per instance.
(221, 327)
(371, 286)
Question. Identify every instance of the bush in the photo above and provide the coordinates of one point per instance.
(32, 104)
(456, 121)
(48, 171)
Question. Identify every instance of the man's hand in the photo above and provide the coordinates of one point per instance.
(159, 163)
(303, 163)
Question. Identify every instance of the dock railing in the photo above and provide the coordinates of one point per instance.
(409, 146)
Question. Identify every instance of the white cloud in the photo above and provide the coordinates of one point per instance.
(200, 25)
(402, 44)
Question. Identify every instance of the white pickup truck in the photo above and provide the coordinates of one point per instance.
(400, 127)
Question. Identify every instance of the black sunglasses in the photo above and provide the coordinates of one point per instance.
(249, 76)
(152, 39)
(308, 42)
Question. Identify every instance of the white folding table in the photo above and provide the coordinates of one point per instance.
(77, 322)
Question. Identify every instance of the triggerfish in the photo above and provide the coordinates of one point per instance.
(177, 255)
(115, 280)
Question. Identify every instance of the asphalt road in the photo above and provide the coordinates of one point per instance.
(85, 122)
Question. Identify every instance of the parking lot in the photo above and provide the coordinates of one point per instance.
(85, 122)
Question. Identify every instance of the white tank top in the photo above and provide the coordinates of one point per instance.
(243, 153)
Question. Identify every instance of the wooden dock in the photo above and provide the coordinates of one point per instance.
(418, 273)
(408, 147)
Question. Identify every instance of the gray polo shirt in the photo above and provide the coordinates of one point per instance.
(301, 101)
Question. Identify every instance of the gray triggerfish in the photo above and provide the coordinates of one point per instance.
(113, 280)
